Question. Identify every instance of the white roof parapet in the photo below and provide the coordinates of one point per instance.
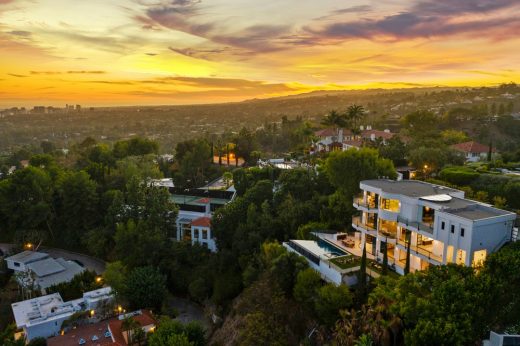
(27, 256)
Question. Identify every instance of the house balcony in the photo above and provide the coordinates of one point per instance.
(415, 225)
(363, 227)
(388, 235)
(360, 204)
(424, 251)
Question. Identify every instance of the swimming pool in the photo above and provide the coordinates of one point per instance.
(329, 247)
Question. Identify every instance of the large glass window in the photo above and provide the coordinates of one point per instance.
(461, 257)
(428, 215)
(390, 204)
(479, 257)
(388, 228)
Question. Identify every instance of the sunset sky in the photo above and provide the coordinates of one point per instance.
(129, 52)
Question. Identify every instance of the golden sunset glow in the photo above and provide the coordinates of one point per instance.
(124, 52)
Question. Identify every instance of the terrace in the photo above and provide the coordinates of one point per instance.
(425, 248)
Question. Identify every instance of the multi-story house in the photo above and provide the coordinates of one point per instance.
(437, 223)
(196, 207)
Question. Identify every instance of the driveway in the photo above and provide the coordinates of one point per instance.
(90, 263)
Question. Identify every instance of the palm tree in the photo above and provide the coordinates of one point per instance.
(129, 325)
(334, 118)
(354, 114)
(364, 340)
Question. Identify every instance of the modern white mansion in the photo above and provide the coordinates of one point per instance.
(441, 225)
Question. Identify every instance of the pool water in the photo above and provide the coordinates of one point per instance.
(325, 245)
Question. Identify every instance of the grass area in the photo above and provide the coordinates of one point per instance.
(346, 262)
(378, 268)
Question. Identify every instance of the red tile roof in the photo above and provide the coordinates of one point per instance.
(354, 143)
(326, 133)
(115, 325)
(86, 332)
(331, 132)
(203, 221)
(473, 147)
(377, 134)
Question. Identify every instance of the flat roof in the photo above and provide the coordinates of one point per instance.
(46, 267)
(311, 246)
(456, 203)
(71, 269)
(478, 212)
(197, 200)
(410, 188)
(49, 307)
(27, 256)
(36, 310)
(465, 208)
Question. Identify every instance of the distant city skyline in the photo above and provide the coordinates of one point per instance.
(146, 52)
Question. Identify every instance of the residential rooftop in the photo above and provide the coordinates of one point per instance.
(27, 256)
(50, 307)
(36, 310)
(449, 200)
(477, 212)
(410, 188)
(55, 271)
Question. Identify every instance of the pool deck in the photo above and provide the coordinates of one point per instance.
(356, 250)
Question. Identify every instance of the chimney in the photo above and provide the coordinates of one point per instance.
(340, 135)
(369, 127)
(387, 130)
(361, 127)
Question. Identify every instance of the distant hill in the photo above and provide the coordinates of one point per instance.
(171, 124)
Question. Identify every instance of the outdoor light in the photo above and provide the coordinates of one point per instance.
(29, 245)
(92, 312)
(98, 279)
(425, 166)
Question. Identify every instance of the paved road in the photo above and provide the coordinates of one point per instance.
(88, 262)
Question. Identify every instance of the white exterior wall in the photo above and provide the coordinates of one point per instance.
(209, 242)
(487, 234)
(326, 272)
(46, 329)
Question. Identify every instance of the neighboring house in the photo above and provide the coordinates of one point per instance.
(165, 182)
(354, 143)
(438, 223)
(331, 139)
(474, 151)
(373, 135)
(505, 339)
(37, 270)
(108, 332)
(44, 316)
(196, 207)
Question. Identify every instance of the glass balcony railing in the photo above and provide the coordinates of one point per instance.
(422, 251)
(356, 221)
(388, 234)
(425, 227)
(360, 202)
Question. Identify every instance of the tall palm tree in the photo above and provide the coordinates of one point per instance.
(129, 325)
(354, 114)
(334, 118)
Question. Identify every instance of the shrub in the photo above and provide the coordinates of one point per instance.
(459, 175)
